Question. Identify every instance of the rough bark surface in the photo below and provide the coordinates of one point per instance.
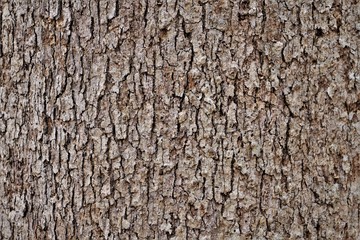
(176, 119)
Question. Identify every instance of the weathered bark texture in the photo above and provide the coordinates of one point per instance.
(176, 119)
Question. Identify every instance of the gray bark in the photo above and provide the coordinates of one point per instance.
(179, 119)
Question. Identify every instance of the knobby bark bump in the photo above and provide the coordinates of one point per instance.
(179, 119)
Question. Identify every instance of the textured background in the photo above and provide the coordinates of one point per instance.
(179, 119)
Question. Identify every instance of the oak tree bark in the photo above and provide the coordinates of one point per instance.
(179, 119)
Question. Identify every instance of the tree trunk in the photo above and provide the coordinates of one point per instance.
(179, 119)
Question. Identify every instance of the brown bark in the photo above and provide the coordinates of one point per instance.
(179, 119)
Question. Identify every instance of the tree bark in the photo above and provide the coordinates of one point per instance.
(177, 119)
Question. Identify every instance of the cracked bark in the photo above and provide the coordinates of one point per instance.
(179, 119)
